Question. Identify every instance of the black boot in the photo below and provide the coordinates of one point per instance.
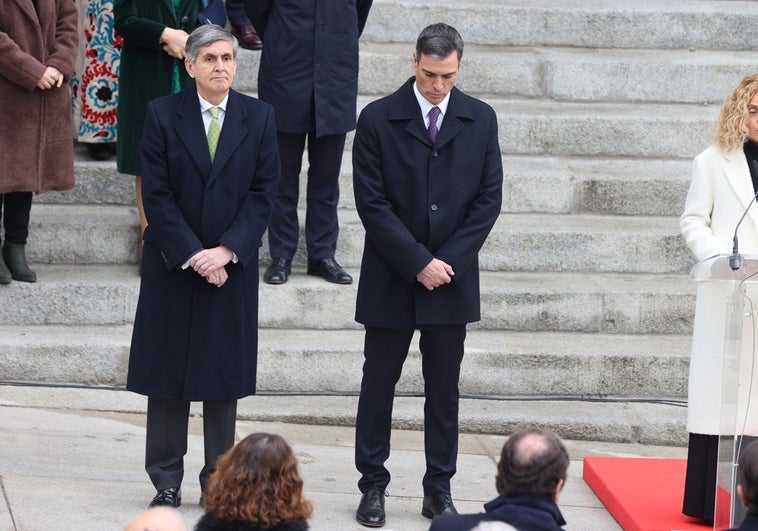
(5, 275)
(15, 258)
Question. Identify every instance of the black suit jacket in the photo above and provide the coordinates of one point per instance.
(418, 201)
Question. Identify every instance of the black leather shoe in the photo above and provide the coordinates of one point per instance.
(278, 272)
(371, 509)
(438, 504)
(170, 497)
(330, 270)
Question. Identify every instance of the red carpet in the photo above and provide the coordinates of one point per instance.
(642, 494)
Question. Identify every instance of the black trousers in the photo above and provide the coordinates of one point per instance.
(18, 206)
(385, 351)
(321, 226)
(166, 441)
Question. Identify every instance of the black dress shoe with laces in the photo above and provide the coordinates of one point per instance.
(330, 270)
(371, 509)
(278, 272)
(438, 504)
(170, 497)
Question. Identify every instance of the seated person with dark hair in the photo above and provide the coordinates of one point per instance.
(747, 488)
(530, 476)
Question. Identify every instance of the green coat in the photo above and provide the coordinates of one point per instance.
(146, 70)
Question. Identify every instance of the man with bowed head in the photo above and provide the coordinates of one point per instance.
(530, 477)
(428, 179)
(210, 171)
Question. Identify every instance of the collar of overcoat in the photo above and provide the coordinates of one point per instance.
(404, 107)
(738, 177)
(190, 129)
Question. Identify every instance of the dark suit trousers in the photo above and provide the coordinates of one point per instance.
(321, 227)
(385, 351)
(166, 441)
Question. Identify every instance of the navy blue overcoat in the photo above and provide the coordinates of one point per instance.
(193, 340)
(419, 201)
(309, 62)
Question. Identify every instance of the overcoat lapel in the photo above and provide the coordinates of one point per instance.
(190, 129)
(404, 106)
(738, 177)
(233, 133)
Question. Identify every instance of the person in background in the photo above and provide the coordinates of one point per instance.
(157, 519)
(256, 487)
(309, 73)
(94, 85)
(211, 169)
(724, 182)
(428, 179)
(747, 488)
(530, 476)
(154, 36)
(38, 43)
(242, 28)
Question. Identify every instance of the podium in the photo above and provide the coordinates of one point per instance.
(729, 511)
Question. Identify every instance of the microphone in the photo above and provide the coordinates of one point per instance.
(735, 260)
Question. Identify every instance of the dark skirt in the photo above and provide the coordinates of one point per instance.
(700, 481)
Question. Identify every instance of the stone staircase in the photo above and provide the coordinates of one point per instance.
(586, 302)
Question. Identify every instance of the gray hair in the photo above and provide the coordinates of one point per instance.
(439, 40)
(205, 35)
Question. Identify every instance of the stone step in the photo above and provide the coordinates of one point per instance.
(497, 363)
(86, 295)
(518, 242)
(571, 74)
(685, 24)
(658, 420)
(561, 185)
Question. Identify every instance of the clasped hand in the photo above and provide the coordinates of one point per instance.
(173, 42)
(435, 274)
(209, 264)
(50, 79)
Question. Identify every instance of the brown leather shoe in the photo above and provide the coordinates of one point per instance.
(247, 37)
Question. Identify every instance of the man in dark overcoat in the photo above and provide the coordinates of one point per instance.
(428, 189)
(309, 73)
(195, 332)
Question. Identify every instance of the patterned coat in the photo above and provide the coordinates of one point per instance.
(36, 152)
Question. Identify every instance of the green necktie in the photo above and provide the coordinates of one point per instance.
(214, 131)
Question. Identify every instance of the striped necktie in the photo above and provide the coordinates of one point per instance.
(433, 130)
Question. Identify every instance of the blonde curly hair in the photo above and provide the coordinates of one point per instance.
(731, 130)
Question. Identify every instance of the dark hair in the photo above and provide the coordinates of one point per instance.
(439, 40)
(205, 35)
(257, 481)
(748, 465)
(532, 462)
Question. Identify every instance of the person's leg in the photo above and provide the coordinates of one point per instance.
(219, 422)
(441, 355)
(385, 351)
(166, 441)
(18, 207)
(284, 229)
(321, 225)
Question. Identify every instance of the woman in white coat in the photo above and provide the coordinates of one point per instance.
(724, 182)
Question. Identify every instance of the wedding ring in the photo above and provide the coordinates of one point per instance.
(55, 78)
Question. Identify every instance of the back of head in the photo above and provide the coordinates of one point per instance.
(533, 462)
(257, 481)
(731, 129)
(157, 519)
(748, 466)
(439, 40)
